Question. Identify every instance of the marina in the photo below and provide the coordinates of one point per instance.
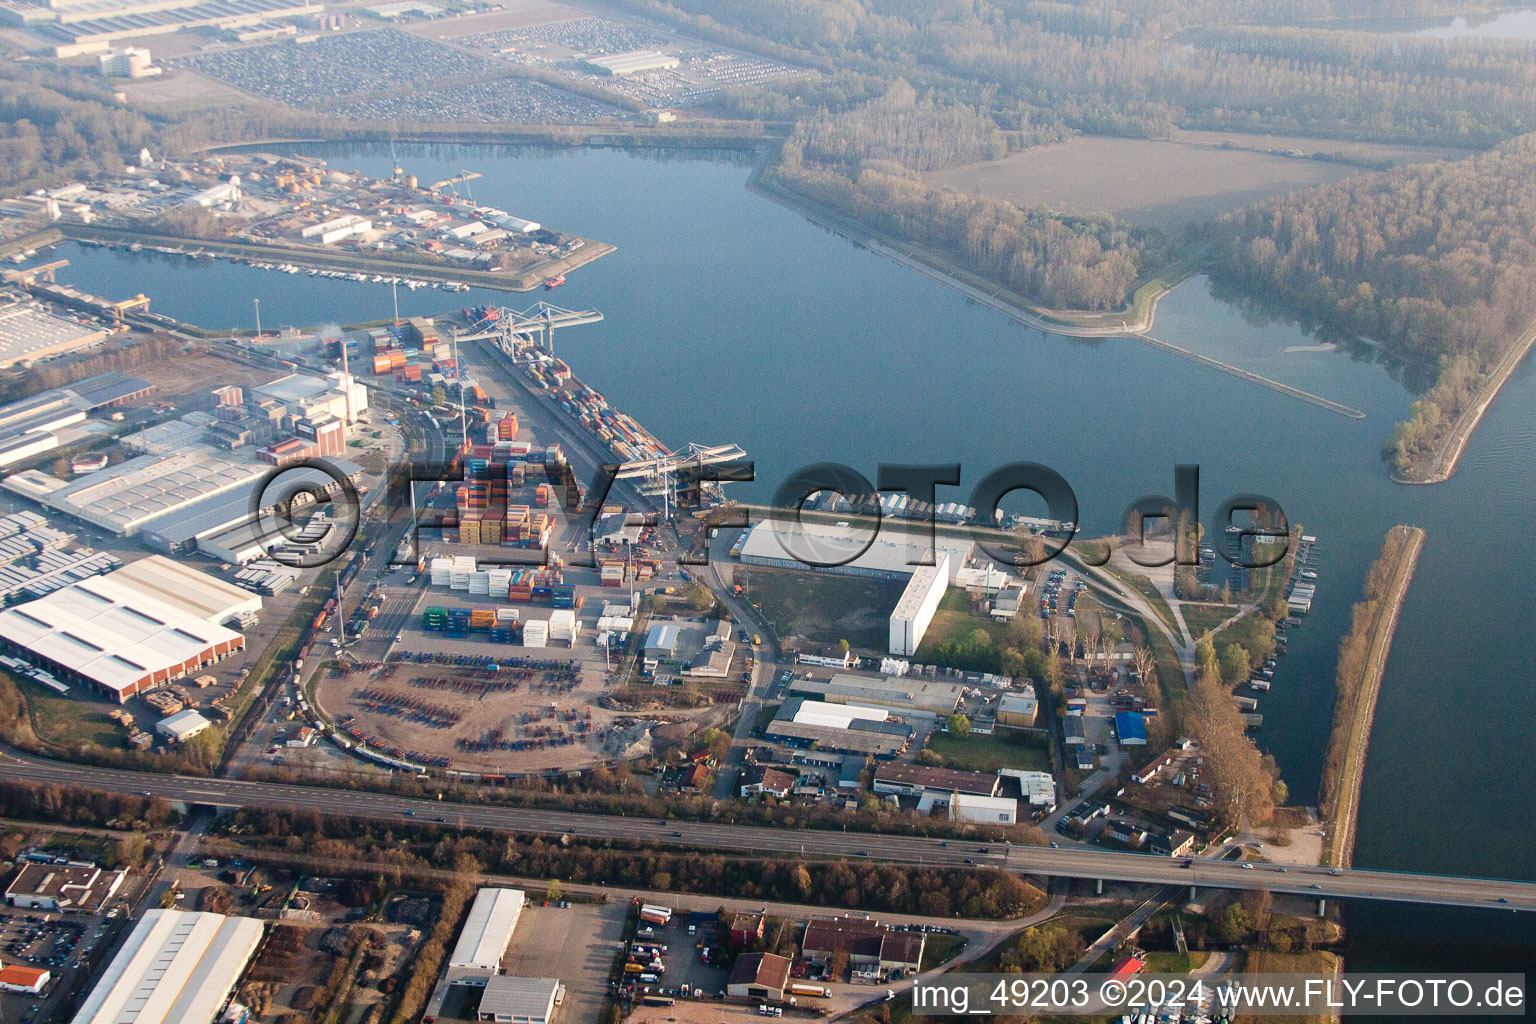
(410, 283)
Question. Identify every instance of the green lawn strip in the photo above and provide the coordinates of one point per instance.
(1007, 748)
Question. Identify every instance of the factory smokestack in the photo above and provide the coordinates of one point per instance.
(329, 333)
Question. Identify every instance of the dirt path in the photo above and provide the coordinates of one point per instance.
(1340, 847)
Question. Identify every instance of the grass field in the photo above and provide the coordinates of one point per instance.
(1174, 963)
(954, 621)
(1147, 182)
(1202, 618)
(941, 949)
(823, 607)
(1004, 749)
(72, 722)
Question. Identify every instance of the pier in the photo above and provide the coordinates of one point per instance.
(1250, 376)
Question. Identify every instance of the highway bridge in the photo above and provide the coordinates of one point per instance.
(1106, 865)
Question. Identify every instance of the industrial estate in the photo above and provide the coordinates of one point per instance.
(215, 567)
(394, 662)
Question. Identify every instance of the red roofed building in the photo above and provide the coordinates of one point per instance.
(16, 978)
(759, 976)
(1127, 967)
(695, 779)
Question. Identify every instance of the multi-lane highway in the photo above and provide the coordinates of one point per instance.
(1499, 894)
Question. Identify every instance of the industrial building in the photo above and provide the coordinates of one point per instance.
(895, 552)
(934, 785)
(1038, 789)
(305, 396)
(117, 635)
(46, 420)
(914, 611)
(906, 694)
(335, 230)
(508, 999)
(157, 493)
(1018, 710)
(28, 331)
(660, 645)
(126, 497)
(25, 980)
(984, 810)
(759, 976)
(630, 63)
(63, 888)
(128, 62)
(838, 728)
(1131, 728)
(223, 527)
(875, 951)
(175, 967)
(182, 726)
(487, 930)
(188, 590)
(91, 26)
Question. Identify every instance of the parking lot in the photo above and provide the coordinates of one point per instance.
(66, 947)
(576, 944)
(354, 63)
(513, 100)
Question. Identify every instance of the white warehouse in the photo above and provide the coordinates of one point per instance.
(914, 611)
(174, 968)
(487, 930)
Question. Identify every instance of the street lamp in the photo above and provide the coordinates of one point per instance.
(257, 304)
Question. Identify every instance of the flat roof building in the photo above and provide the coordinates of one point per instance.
(984, 810)
(839, 728)
(32, 425)
(914, 610)
(900, 693)
(28, 331)
(115, 635)
(126, 497)
(182, 726)
(175, 967)
(65, 888)
(631, 63)
(304, 395)
(1018, 710)
(895, 552)
(509, 999)
(487, 930)
(188, 589)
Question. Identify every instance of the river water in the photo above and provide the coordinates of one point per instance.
(732, 319)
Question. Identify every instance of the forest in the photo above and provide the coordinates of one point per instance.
(910, 86)
(864, 162)
(1435, 261)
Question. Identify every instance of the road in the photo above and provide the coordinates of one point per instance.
(1500, 894)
